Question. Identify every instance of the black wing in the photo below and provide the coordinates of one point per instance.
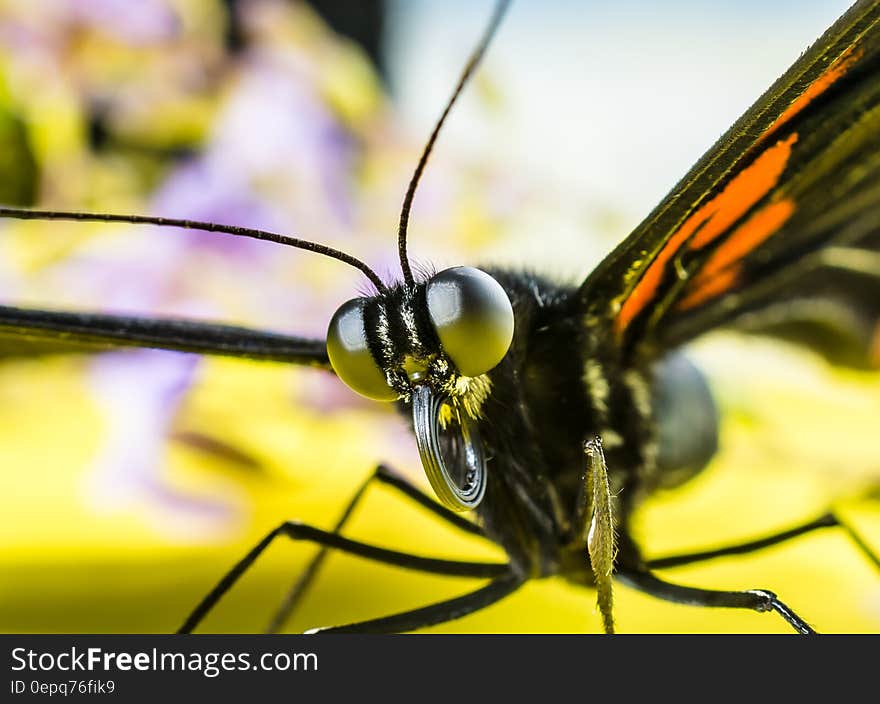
(777, 228)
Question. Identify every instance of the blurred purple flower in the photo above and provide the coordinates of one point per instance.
(47, 23)
(277, 137)
(139, 393)
(275, 157)
(141, 22)
(195, 191)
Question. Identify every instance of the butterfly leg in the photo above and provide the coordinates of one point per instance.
(301, 531)
(760, 600)
(755, 599)
(827, 520)
(441, 612)
(383, 475)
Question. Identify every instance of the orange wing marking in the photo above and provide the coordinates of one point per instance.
(714, 217)
(825, 80)
(721, 271)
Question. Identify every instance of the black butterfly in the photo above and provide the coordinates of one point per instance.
(551, 411)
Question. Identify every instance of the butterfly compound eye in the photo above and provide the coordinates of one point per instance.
(350, 355)
(473, 318)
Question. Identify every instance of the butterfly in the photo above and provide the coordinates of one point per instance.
(552, 411)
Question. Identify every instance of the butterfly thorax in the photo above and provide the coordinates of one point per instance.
(554, 391)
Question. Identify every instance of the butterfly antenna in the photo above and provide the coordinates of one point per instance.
(24, 214)
(473, 62)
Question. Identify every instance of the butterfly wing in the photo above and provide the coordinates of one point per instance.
(31, 331)
(777, 228)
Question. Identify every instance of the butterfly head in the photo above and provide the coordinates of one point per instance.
(430, 345)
